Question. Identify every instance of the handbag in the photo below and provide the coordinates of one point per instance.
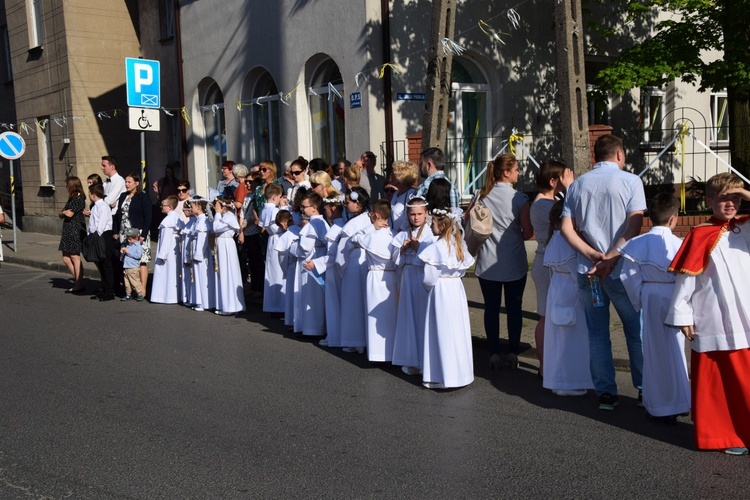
(478, 227)
(93, 247)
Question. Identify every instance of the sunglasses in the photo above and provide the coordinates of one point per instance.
(314, 184)
(264, 169)
(297, 172)
(182, 190)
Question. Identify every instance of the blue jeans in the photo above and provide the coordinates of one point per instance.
(492, 293)
(600, 345)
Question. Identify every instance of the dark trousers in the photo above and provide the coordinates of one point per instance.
(256, 260)
(105, 266)
(492, 293)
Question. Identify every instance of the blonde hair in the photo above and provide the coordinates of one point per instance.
(495, 169)
(270, 166)
(352, 174)
(451, 234)
(721, 182)
(406, 172)
(321, 177)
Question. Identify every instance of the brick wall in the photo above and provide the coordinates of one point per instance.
(684, 224)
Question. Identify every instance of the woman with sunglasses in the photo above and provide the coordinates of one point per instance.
(183, 195)
(298, 170)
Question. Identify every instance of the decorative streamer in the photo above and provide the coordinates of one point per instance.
(394, 67)
(239, 105)
(451, 47)
(491, 32)
(514, 18)
(357, 77)
(102, 115)
(58, 122)
(167, 112)
(513, 139)
(25, 128)
(119, 113)
(185, 116)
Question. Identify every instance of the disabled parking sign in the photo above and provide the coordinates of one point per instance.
(143, 83)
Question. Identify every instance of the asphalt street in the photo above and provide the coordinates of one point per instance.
(138, 400)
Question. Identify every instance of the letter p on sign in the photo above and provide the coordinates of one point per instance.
(144, 76)
(142, 83)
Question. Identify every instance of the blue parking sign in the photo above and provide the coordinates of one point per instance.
(143, 83)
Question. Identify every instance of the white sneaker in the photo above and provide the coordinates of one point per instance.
(222, 313)
(411, 370)
(433, 385)
(323, 343)
(572, 392)
(359, 350)
(198, 309)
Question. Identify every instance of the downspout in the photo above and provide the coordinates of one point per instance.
(385, 15)
(183, 129)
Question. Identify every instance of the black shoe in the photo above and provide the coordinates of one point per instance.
(80, 291)
(640, 399)
(608, 402)
(106, 298)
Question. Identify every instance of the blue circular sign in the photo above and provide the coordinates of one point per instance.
(12, 145)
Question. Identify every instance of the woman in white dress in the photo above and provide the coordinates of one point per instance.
(566, 339)
(448, 359)
(408, 348)
(351, 263)
(166, 288)
(230, 296)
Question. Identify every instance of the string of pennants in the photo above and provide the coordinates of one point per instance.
(446, 45)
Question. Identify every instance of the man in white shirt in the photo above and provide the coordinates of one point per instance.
(100, 222)
(604, 209)
(114, 186)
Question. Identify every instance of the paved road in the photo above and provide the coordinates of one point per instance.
(134, 400)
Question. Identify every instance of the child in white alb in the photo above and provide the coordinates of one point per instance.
(230, 297)
(167, 266)
(448, 358)
(649, 284)
(203, 286)
(352, 266)
(408, 348)
(273, 283)
(333, 208)
(285, 247)
(312, 245)
(382, 284)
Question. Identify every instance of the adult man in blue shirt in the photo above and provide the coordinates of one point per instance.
(432, 165)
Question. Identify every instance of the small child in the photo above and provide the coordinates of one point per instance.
(203, 287)
(710, 306)
(312, 244)
(649, 284)
(100, 222)
(186, 255)
(333, 208)
(448, 358)
(131, 262)
(230, 298)
(408, 348)
(273, 280)
(566, 337)
(382, 285)
(351, 263)
(167, 268)
(284, 247)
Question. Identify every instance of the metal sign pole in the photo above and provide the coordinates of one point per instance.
(143, 160)
(13, 207)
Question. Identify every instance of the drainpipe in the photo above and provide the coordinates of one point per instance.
(385, 15)
(183, 130)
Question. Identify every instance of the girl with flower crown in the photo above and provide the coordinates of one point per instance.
(230, 298)
(448, 360)
(202, 286)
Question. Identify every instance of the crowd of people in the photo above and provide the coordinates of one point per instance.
(373, 265)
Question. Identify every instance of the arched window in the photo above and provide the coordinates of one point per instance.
(215, 133)
(325, 97)
(264, 121)
(469, 139)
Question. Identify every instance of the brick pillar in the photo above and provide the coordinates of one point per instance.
(414, 147)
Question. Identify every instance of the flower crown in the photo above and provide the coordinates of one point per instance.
(335, 200)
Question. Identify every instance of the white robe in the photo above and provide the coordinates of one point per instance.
(312, 244)
(351, 262)
(203, 287)
(166, 287)
(408, 348)
(719, 294)
(649, 285)
(230, 296)
(381, 294)
(289, 265)
(448, 357)
(327, 264)
(274, 283)
(566, 346)
(187, 234)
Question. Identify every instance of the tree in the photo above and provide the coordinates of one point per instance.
(683, 37)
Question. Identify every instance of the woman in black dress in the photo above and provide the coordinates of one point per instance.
(73, 231)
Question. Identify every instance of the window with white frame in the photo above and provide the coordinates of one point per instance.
(652, 114)
(166, 19)
(34, 23)
(264, 120)
(719, 117)
(6, 68)
(468, 139)
(326, 101)
(215, 133)
(46, 156)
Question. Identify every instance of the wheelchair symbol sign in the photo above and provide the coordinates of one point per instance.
(143, 119)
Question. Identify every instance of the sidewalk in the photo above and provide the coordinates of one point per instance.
(40, 251)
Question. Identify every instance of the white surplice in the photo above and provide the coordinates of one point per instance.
(381, 294)
(351, 262)
(312, 244)
(203, 287)
(167, 282)
(327, 264)
(230, 296)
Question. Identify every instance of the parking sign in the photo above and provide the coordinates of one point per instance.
(143, 83)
